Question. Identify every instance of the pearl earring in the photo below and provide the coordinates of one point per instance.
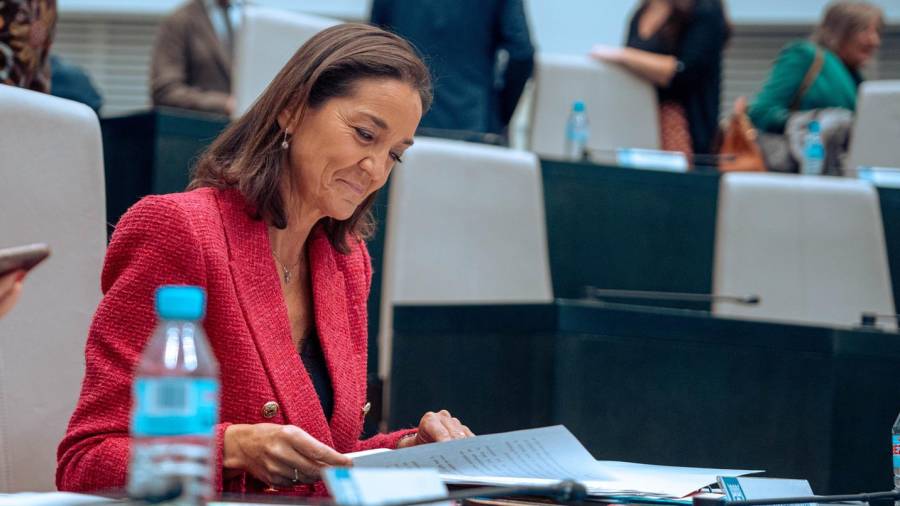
(284, 141)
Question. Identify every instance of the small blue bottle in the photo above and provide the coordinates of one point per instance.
(813, 150)
(578, 132)
(175, 404)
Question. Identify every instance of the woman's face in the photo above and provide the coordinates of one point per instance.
(861, 46)
(344, 150)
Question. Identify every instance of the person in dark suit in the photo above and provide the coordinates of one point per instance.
(71, 82)
(273, 228)
(191, 65)
(461, 41)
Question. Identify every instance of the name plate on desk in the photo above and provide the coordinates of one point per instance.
(671, 161)
(374, 486)
(887, 177)
(742, 488)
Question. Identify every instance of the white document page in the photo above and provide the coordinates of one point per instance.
(663, 481)
(544, 455)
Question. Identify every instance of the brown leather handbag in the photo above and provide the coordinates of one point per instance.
(739, 151)
(740, 148)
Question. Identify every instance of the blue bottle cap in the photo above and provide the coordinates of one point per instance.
(180, 302)
(578, 106)
(813, 126)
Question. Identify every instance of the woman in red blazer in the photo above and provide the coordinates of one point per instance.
(273, 229)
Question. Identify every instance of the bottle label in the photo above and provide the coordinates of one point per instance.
(175, 406)
(896, 452)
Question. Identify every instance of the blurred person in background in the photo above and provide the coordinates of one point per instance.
(817, 80)
(71, 82)
(480, 55)
(27, 28)
(273, 227)
(677, 46)
(191, 63)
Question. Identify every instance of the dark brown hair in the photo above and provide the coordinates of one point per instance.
(843, 20)
(248, 156)
(682, 14)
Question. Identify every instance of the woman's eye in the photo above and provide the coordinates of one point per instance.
(396, 158)
(364, 134)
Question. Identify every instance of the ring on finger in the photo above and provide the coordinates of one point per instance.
(296, 476)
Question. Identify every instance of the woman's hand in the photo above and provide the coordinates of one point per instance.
(280, 455)
(436, 427)
(10, 288)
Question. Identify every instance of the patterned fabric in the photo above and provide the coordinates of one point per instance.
(674, 128)
(207, 238)
(26, 33)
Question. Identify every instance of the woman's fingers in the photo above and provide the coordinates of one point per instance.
(441, 426)
(280, 455)
(313, 449)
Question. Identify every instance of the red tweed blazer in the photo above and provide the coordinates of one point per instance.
(207, 238)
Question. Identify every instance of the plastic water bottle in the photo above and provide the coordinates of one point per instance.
(895, 451)
(176, 400)
(813, 150)
(578, 131)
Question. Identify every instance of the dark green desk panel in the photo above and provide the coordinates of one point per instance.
(660, 386)
(151, 152)
(890, 215)
(676, 388)
(491, 366)
(629, 229)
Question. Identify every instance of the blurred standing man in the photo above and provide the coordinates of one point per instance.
(461, 41)
(26, 33)
(191, 66)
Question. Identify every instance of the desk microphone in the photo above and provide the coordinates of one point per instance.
(564, 492)
(708, 500)
(603, 293)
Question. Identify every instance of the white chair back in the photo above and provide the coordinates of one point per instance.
(465, 225)
(622, 109)
(811, 247)
(52, 190)
(266, 41)
(876, 129)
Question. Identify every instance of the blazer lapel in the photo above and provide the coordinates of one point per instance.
(333, 324)
(208, 33)
(262, 301)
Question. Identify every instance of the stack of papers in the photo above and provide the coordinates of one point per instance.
(545, 456)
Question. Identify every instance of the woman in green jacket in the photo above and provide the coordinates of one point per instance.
(846, 39)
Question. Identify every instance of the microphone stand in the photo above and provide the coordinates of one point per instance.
(707, 500)
(603, 293)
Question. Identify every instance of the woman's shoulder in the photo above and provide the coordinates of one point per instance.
(174, 209)
(800, 48)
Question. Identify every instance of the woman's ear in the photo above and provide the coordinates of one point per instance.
(284, 119)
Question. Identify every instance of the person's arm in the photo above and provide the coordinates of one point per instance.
(653, 67)
(700, 47)
(153, 245)
(771, 107)
(513, 36)
(10, 287)
(168, 73)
